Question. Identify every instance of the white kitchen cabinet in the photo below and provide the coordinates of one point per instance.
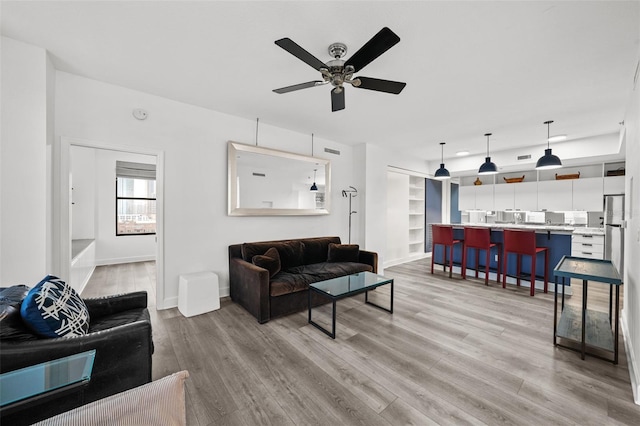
(614, 185)
(484, 197)
(589, 246)
(503, 196)
(466, 198)
(525, 196)
(555, 195)
(587, 194)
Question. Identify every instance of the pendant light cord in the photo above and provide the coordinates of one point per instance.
(257, 122)
(312, 144)
(487, 135)
(548, 123)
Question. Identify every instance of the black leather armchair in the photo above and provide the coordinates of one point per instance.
(119, 331)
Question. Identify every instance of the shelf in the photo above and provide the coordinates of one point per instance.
(415, 228)
(416, 242)
(416, 214)
(416, 199)
(598, 333)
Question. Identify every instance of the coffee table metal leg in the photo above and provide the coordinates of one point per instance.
(390, 309)
(331, 333)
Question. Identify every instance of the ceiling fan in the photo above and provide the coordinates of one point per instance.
(338, 71)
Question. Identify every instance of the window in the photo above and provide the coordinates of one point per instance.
(135, 198)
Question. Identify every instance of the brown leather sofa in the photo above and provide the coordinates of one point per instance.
(302, 261)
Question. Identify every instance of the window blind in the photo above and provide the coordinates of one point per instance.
(128, 169)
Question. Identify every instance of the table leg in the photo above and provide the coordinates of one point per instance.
(610, 300)
(584, 316)
(564, 288)
(333, 325)
(555, 309)
(615, 340)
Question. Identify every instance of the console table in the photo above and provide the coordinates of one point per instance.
(588, 327)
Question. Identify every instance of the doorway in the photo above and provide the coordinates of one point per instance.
(66, 206)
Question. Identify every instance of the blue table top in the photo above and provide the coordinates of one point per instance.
(587, 269)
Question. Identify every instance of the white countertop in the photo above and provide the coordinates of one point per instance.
(542, 227)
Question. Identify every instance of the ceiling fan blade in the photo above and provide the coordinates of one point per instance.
(297, 51)
(337, 100)
(379, 85)
(299, 86)
(379, 43)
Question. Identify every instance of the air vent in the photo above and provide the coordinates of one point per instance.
(259, 174)
(332, 151)
(524, 157)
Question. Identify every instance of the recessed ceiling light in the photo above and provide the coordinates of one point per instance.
(557, 138)
(462, 153)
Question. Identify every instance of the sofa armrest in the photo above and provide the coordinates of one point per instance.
(249, 287)
(369, 258)
(103, 306)
(122, 361)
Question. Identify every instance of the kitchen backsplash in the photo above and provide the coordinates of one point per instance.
(574, 218)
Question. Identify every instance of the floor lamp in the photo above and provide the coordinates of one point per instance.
(351, 193)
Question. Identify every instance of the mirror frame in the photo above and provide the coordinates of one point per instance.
(232, 182)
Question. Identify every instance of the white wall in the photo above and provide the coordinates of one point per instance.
(23, 167)
(109, 248)
(631, 311)
(194, 141)
(397, 226)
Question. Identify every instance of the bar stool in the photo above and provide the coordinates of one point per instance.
(443, 235)
(524, 242)
(480, 239)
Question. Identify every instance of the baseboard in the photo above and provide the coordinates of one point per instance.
(172, 302)
(411, 258)
(634, 367)
(119, 260)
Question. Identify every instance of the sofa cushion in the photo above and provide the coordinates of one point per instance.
(54, 309)
(316, 249)
(269, 261)
(11, 325)
(291, 252)
(343, 253)
(298, 278)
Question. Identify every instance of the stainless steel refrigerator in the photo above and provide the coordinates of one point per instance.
(614, 230)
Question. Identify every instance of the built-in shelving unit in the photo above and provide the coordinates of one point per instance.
(416, 215)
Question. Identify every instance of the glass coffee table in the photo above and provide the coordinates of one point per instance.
(350, 285)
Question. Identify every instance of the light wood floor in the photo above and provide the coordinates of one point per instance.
(453, 352)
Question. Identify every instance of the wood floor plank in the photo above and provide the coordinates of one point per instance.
(454, 352)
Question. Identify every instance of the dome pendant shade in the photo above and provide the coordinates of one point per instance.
(442, 173)
(488, 167)
(548, 161)
(314, 187)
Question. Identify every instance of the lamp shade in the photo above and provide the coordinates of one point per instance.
(442, 173)
(314, 187)
(488, 167)
(548, 161)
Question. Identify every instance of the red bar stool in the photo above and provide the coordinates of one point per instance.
(443, 235)
(524, 242)
(480, 239)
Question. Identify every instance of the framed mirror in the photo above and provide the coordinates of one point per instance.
(268, 182)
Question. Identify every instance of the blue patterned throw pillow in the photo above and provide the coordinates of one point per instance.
(54, 309)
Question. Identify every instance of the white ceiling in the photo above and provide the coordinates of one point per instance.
(470, 67)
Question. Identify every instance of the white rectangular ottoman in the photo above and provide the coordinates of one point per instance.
(198, 293)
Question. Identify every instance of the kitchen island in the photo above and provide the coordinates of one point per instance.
(557, 238)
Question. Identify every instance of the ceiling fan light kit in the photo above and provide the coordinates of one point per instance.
(488, 167)
(548, 161)
(339, 72)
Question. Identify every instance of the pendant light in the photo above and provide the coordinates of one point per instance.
(442, 173)
(488, 167)
(548, 161)
(314, 187)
